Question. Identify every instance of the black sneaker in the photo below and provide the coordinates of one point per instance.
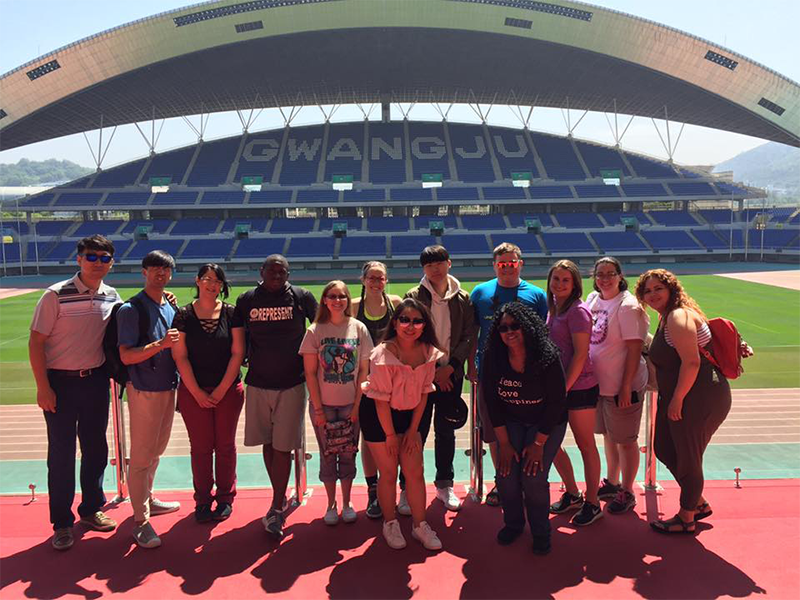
(608, 490)
(203, 514)
(588, 514)
(541, 544)
(373, 507)
(507, 535)
(223, 511)
(273, 523)
(566, 502)
(622, 502)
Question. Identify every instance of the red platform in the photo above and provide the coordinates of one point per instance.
(750, 546)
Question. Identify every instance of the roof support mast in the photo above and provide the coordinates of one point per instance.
(526, 121)
(568, 119)
(668, 146)
(200, 133)
(101, 152)
(151, 143)
(615, 128)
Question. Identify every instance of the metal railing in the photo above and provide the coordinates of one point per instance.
(120, 459)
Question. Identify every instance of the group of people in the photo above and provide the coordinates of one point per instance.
(376, 372)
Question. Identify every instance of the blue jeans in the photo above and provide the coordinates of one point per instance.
(521, 493)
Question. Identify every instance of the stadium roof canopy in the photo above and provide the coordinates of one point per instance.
(226, 55)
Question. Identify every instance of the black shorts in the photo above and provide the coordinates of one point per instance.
(582, 399)
(371, 427)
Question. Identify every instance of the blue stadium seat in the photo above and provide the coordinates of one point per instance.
(727, 188)
(411, 194)
(675, 239)
(345, 150)
(194, 227)
(45, 228)
(644, 190)
(301, 156)
(127, 199)
(106, 228)
(118, 177)
(618, 241)
(410, 245)
(387, 224)
(158, 225)
(512, 152)
(257, 225)
(518, 219)
(774, 238)
(692, 189)
(578, 220)
(11, 252)
(721, 216)
(361, 196)
(652, 169)
(599, 158)
(387, 153)
(174, 199)
(327, 196)
(78, 199)
(567, 242)
(213, 162)
(311, 246)
(170, 164)
(367, 246)
(39, 200)
(353, 223)
(214, 197)
(271, 197)
(503, 193)
(470, 153)
(462, 194)
(466, 244)
(558, 157)
(483, 222)
(292, 225)
(673, 218)
(597, 191)
(428, 150)
(63, 251)
(527, 242)
(259, 156)
(547, 192)
(143, 247)
(260, 248)
(208, 249)
(19, 228)
(424, 221)
(711, 240)
(614, 217)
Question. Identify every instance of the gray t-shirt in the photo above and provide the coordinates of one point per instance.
(74, 319)
(340, 348)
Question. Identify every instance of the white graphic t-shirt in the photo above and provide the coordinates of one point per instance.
(339, 349)
(613, 322)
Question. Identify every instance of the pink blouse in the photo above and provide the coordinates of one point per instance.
(398, 384)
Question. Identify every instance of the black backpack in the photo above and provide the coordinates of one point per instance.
(114, 367)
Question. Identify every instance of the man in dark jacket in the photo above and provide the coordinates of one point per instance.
(454, 322)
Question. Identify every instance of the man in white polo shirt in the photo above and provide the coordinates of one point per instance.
(66, 356)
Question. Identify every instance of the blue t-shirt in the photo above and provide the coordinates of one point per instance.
(488, 297)
(158, 373)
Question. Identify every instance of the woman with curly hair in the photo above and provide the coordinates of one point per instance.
(523, 383)
(694, 397)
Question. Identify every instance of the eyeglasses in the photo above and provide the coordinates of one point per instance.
(406, 321)
(610, 275)
(508, 263)
(103, 258)
(209, 281)
(336, 297)
(505, 328)
(376, 279)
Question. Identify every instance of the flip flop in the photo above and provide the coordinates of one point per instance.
(666, 526)
(493, 498)
(703, 512)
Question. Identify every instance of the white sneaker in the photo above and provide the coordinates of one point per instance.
(349, 514)
(393, 535)
(448, 498)
(426, 536)
(402, 505)
(146, 536)
(331, 515)
(162, 507)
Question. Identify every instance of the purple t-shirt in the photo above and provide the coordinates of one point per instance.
(577, 319)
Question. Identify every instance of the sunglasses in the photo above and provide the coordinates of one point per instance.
(103, 258)
(507, 263)
(336, 297)
(403, 320)
(505, 328)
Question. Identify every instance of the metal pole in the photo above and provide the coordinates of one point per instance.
(19, 238)
(475, 447)
(36, 248)
(3, 233)
(651, 465)
(730, 241)
(120, 460)
(300, 480)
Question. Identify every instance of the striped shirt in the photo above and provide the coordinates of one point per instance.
(74, 319)
(703, 336)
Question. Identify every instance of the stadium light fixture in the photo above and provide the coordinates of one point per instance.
(160, 185)
(342, 182)
(252, 183)
(611, 176)
(521, 178)
(431, 180)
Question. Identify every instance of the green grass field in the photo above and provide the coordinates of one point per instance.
(766, 316)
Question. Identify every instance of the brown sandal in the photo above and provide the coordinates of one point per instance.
(673, 525)
(703, 511)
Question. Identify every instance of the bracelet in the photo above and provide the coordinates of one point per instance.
(536, 443)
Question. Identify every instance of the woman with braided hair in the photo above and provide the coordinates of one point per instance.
(524, 386)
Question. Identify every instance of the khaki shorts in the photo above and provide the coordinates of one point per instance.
(620, 424)
(274, 417)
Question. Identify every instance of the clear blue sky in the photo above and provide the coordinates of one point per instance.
(764, 31)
